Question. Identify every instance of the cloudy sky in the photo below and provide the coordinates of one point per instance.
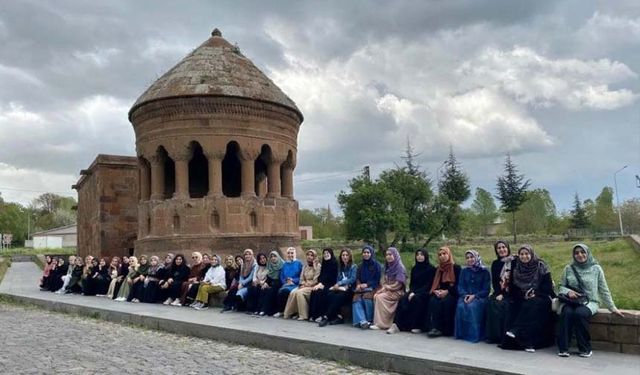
(555, 83)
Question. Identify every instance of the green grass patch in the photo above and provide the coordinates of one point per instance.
(618, 259)
(32, 251)
(5, 263)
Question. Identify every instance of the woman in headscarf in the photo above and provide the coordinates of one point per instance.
(49, 265)
(367, 282)
(574, 318)
(498, 302)
(114, 269)
(57, 274)
(90, 266)
(473, 290)
(125, 288)
(259, 278)
(137, 284)
(298, 300)
(247, 272)
(206, 261)
(100, 279)
(212, 283)
(123, 271)
(290, 278)
(327, 278)
(76, 276)
(148, 293)
(164, 273)
(268, 291)
(178, 273)
(412, 308)
(66, 278)
(530, 293)
(229, 301)
(230, 270)
(393, 288)
(341, 293)
(443, 295)
(189, 287)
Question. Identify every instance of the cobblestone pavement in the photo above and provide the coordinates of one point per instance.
(33, 341)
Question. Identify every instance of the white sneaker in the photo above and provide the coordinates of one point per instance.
(374, 327)
(393, 329)
(564, 354)
(277, 315)
(120, 299)
(176, 303)
(167, 301)
(416, 330)
(318, 320)
(586, 355)
(529, 350)
(510, 334)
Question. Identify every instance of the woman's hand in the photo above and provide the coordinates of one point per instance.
(571, 294)
(618, 312)
(469, 298)
(411, 295)
(499, 297)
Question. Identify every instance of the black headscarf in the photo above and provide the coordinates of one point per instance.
(527, 275)
(422, 272)
(329, 269)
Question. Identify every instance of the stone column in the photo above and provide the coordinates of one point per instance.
(181, 159)
(247, 159)
(214, 159)
(145, 175)
(273, 178)
(157, 177)
(287, 177)
(261, 185)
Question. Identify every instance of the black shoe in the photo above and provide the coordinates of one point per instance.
(434, 333)
(225, 309)
(323, 322)
(336, 321)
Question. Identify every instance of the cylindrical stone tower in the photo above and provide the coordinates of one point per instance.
(216, 142)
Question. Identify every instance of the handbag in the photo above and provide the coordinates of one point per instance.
(581, 300)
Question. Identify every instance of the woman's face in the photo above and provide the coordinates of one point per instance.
(262, 260)
(143, 260)
(443, 255)
(326, 255)
(291, 254)
(179, 260)
(88, 259)
(344, 256)
(239, 261)
(248, 257)
(94, 262)
(366, 254)
(102, 263)
(420, 257)
(274, 258)
(214, 261)
(580, 255)
(310, 257)
(470, 258)
(206, 259)
(154, 262)
(388, 256)
(502, 249)
(60, 262)
(229, 261)
(47, 259)
(524, 255)
(196, 259)
(168, 259)
(78, 261)
(125, 260)
(114, 262)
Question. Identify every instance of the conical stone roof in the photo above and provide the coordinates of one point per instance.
(215, 68)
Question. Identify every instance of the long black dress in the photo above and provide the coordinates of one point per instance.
(529, 319)
(56, 277)
(97, 282)
(412, 314)
(267, 297)
(328, 275)
(179, 275)
(150, 290)
(123, 271)
(496, 309)
(74, 281)
(442, 311)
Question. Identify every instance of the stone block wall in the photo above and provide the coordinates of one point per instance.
(612, 333)
(108, 206)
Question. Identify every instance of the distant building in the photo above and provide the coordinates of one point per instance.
(306, 232)
(53, 238)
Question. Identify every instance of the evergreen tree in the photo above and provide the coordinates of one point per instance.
(579, 219)
(453, 189)
(512, 191)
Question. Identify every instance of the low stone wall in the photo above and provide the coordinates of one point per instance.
(634, 241)
(612, 333)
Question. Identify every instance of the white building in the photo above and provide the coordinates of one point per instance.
(53, 238)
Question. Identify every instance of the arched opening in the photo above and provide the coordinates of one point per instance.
(286, 176)
(231, 169)
(169, 173)
(253, 220)
(198, 172)
(260, 168)
(144, 178)
(176, 223)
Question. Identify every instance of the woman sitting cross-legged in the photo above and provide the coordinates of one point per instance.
(530, 293)
(583, 283)
(499, 300)
(473, 290)
(298, 301)
(367, 282)
(341, 293)
(393, 289)
(259, 278)
(443, 295)
(213, 283)
(178, 274)
(266, 293)
(412, 308)
(328, 274)
(290, 278)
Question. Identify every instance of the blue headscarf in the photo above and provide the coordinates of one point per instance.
(369, 269)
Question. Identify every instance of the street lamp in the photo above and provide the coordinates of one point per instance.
(615, 184)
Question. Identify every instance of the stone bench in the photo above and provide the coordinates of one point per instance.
(612, 333)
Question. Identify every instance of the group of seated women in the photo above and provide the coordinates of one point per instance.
(510, 304)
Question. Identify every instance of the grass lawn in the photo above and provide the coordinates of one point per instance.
(5, 263)
(618, 259)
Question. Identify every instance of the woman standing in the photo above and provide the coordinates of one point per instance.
(443, 295)
(367, 282)
(327, 278)
(530, 292)
(298, 300)
(412, 308)
(473, 290)
(393, 289)
(582, 278)
(498, 302)
(290, 278)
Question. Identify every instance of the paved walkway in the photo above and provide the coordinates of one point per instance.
(403, 352)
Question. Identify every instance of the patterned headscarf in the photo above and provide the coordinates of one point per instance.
(527, 275)
(477, 265)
